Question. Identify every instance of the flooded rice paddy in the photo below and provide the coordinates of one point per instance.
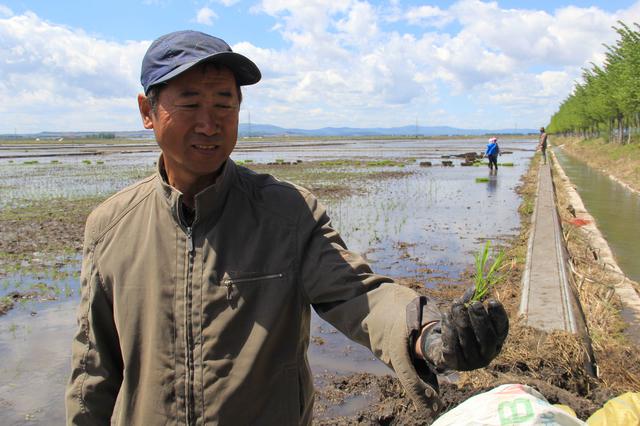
(407, 219)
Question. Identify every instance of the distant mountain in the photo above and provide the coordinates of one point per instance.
(136, 134)
(269, 130)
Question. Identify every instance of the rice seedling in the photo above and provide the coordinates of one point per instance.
(482, 278)
(30, 162)
(482, 179)
(86, 161)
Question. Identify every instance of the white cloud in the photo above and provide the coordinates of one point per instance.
(360, 25)
(205, 16)
(227, 3)
(428, 16)
(298, 17)
(340, 57)
(5, 11)
(341, 63)
(58, 78)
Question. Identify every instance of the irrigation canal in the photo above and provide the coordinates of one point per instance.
(615, 209)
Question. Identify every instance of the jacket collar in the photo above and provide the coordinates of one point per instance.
(209, 202)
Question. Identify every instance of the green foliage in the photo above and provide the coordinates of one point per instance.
(608, 99)
(384, 163)
(482, 179)
(482, 278)
(102, 135)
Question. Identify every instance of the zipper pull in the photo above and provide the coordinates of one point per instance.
(189, 240)
(229, 286)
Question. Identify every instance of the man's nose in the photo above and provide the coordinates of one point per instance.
(208, 122)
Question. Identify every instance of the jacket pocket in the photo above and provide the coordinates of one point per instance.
(231, 283)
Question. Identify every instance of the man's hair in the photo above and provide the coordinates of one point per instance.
(154, 92)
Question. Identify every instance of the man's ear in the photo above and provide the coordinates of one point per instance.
(145, 111)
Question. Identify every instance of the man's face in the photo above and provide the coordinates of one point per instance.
(195, 122)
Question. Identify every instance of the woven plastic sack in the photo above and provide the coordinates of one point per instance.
(511, 404)
(623, 410)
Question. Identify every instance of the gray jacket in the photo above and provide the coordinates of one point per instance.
(209, 324)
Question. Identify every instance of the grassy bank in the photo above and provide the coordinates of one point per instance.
(620, 161)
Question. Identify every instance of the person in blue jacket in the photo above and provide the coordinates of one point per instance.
(492, 154)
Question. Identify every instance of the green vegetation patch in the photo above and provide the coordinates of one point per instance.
(329, 180)
(365, 163)
(482, 179)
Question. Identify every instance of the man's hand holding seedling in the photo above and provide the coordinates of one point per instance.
(469, 335)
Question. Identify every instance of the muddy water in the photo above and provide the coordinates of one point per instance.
(425, 224)
(34, 348)
(615, 209)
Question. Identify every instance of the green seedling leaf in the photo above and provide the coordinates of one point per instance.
(484, 280)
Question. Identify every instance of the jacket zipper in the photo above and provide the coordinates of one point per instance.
(190, 400)
(229, 282)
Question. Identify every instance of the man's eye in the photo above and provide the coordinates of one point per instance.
(188, 106)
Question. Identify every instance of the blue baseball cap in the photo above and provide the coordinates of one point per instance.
(174, 53)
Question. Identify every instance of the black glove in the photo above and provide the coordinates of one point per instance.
(468, 337)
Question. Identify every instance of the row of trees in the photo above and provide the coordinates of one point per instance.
(607, 102)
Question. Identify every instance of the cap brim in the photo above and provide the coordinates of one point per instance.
(243, 68)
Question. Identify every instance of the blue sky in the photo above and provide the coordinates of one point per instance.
(74, 65)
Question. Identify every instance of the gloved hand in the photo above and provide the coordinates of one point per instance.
(468, 337)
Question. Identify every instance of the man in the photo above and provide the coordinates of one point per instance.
(197, 282)
(492, 154)
(542, 144)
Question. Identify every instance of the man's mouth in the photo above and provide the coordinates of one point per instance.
(206, 147)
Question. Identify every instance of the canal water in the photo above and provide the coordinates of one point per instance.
(615, 209)
(439, 215)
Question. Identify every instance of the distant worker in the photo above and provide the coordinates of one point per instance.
(542, 144)
(492, 154)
